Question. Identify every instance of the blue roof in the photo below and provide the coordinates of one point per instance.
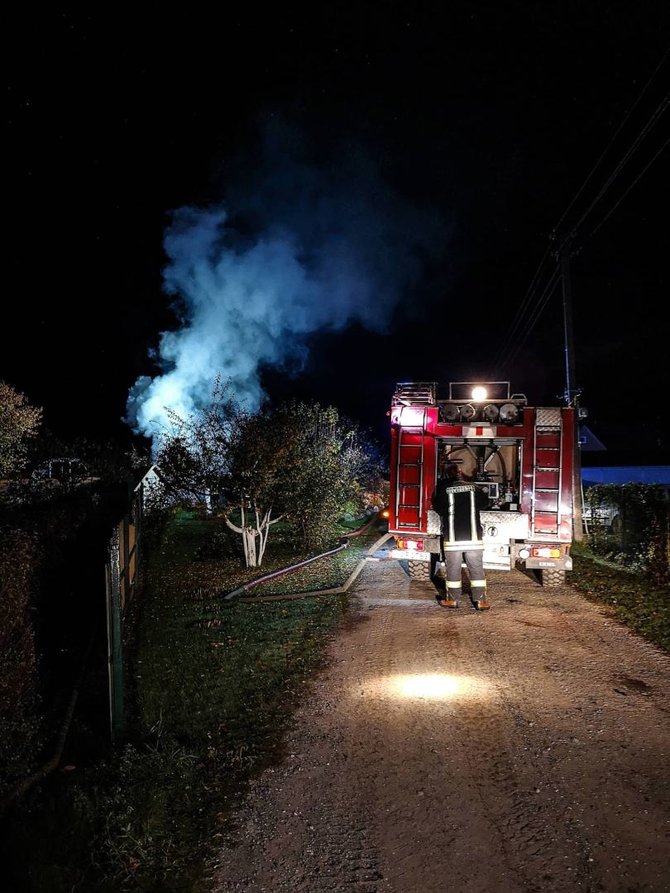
(627, 474)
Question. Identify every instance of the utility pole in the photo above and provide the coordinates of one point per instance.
(571, 393)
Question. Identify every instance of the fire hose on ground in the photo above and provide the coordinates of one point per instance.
(239, 592)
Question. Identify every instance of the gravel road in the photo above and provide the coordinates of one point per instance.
(524, 749)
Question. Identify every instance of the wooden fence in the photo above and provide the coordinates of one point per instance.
(120, 578)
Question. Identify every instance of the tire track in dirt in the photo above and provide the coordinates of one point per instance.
(521, 750)
(583, 741)
(500, 827)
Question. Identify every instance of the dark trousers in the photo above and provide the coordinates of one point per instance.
(474, 562)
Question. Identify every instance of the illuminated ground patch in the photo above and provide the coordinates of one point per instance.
(430, 686)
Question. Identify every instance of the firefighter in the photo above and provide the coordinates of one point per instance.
(458, 503)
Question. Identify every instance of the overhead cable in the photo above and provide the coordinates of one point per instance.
(531, 321)
(610, 143)
(620, 166)
(622, 197)
(508, 353)
(521, 314)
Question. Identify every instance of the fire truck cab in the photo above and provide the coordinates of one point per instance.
(523, 457)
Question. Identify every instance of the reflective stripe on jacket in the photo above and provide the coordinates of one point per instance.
(458, 506)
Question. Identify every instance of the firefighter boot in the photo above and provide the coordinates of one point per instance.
(451, 596)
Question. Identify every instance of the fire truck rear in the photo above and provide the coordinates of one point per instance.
(523, 457)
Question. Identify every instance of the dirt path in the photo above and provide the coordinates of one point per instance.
(525, 749)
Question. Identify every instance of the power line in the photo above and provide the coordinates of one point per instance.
(623, 161)
(531, 321)
(525, 315)
(520, 316)
(611, 141)
(623, 196)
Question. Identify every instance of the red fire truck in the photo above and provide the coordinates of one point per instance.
(523, 457)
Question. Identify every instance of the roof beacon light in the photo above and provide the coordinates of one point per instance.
(479, 394)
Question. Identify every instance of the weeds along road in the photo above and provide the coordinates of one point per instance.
(524, 749)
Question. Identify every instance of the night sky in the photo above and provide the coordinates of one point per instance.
(320, 204)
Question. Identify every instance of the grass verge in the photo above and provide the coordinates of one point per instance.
(634, 597)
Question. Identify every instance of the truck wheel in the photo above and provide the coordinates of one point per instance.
(419, 570)
(553, 577)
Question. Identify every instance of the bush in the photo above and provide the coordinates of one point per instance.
(20, 707)
(630, 525)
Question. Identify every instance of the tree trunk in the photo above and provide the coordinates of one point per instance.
(249, 540)
(254, 551)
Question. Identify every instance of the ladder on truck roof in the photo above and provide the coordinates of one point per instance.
(409, 476)
(545, 518)
(410, 392)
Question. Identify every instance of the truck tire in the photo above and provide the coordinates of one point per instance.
(419, 570)
(553, 577)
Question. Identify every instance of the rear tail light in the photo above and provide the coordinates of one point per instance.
(545, 552)
(410, 545)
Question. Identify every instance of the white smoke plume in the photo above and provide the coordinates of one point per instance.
(296, 248)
